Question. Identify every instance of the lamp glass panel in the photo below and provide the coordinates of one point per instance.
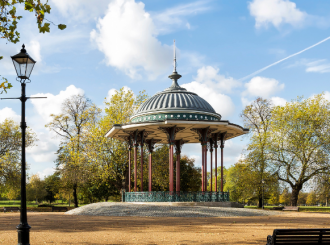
(23, 66)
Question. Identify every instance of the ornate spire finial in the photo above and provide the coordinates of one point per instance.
(23, 49)
(174, 70)
(175, 76)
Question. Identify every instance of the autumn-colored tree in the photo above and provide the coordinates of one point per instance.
(77, 113)
(9, 22)
(285, 197)
(302, 198)
(35, 189)
(311, 198)
(108, 157)
(10, 156)
(257, 117)
(52, 185)
(299, 142)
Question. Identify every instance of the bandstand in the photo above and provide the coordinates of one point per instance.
(176, 117)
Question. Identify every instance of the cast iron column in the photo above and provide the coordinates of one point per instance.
(141, 145)
(135, 145)
(23, 228)
(178, 145)
(150, 143)
(222, 145)
(205, 169)
(129, 163)
(211, 156)
(215, 141)
(203, 159)
(170, 133)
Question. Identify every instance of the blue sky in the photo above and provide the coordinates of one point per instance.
(109, 44)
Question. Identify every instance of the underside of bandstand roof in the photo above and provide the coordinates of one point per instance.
(176, 107)
(186, 130)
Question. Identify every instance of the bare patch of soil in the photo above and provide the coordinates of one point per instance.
(58, 228)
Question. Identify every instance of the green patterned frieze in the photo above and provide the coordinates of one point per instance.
(175, 116)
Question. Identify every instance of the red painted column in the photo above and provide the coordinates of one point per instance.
(211, 153)
(205, 174)
(216, 169)
(202, 168)
(135, 168)
(141, 189)
(221, 167)
(178, 171)
(150, 171)
(171, 168)
(129, 169)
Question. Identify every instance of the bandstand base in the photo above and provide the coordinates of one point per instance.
(189, 204)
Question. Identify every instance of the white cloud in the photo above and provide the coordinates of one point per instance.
(52, 105)
(263, 87)
(127, 37)
(221, 103)
(113, 91)
(48, 142)
(278, 101)
(276, 12)
(319, 66)
(174, 18)
(82, 10)
(46, 172)
(8, 113)
(211, 77)
(211, 86)
(327, 95)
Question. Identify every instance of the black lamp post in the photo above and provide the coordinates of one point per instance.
(24, 65)
(263, 183)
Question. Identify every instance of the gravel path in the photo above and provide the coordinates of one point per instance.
(145, 210)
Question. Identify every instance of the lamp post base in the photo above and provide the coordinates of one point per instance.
(23, 234)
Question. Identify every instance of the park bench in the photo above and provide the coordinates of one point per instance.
(290, 208)
(59, 209)
(277, 208)
(299, 236)
(7, 209)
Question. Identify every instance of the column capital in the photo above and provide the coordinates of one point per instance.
(178, 145)
(204, 134)
(171, 132)
(222, 139)
(150, 143)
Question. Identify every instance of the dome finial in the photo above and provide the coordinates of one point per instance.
(174, 70)
(175, 76)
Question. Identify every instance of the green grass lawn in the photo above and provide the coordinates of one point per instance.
(301, 208)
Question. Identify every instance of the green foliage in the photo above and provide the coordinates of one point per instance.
(9, 23)
(35, 189)
(299, 143)
(311, 199)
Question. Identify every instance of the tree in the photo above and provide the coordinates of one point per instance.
(257, 117)
(285, 197)
(35, 189)
(10, 156)
(302, 198)
(109, 157)
(77, 112)
(311, 198)
(190, 176)
(299, 144)
(52, 185)
(9, 22)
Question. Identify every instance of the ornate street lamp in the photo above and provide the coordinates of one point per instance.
(24, 65)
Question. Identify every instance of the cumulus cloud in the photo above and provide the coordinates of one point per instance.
(263, 87)
(113, 91)
(48, 142)
(53, 103)
(276, 12)
(8, 113)
(212, 86)
(278, 101)
(127, 37)
(211, 77)
(82, 10)
(46, 172)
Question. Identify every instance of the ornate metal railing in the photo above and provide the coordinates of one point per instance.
(168, 196)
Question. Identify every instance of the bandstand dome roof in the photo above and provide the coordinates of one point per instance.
(175, 107)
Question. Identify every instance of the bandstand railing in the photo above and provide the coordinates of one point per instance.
(168, 196)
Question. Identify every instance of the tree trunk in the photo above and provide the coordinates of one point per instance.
(260, 202)
(294, 195)
(75, 197)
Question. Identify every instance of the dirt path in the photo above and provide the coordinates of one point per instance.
(58, 228)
